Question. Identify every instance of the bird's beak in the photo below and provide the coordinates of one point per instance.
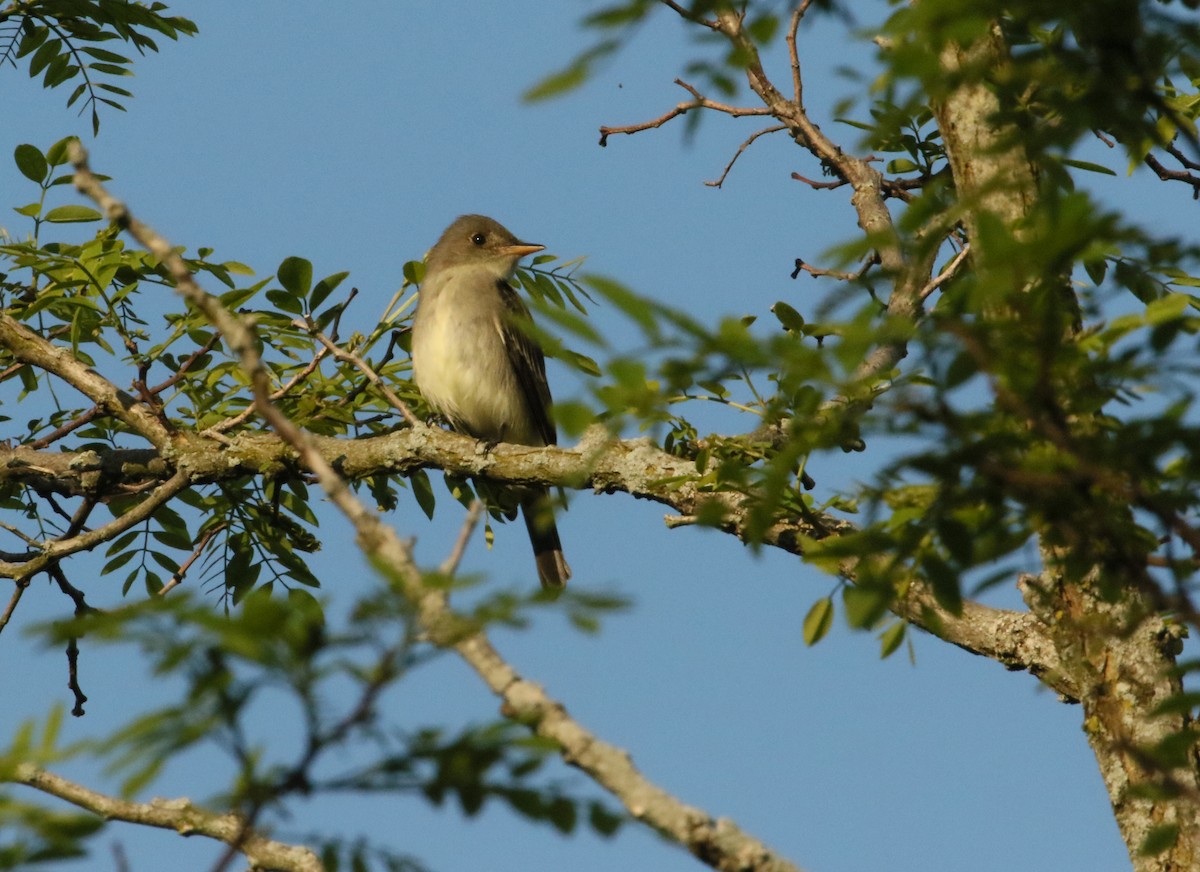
(520, 249)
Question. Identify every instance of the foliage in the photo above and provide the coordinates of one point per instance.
(35, 834)
(280, 654)
(246, 537)
(61, 40)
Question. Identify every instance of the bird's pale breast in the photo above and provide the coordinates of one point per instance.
(461, 365)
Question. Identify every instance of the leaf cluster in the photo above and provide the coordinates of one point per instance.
(62, 41)
(32, 833)
(281, 654)
(1113, 66)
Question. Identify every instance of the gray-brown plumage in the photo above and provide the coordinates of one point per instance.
(478, 369)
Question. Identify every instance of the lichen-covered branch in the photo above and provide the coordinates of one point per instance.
(181, 815)
(28, 347)
(1118, 655)
(598, 463)
(55, 549)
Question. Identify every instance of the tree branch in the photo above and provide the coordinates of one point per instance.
(55, 549)
(600, 462)
(180, 815)
(720, 844)
(749, 141)
(698, 101)
(1168, 175)
(28, 347)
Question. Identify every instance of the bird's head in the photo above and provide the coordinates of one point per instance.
(476, 240)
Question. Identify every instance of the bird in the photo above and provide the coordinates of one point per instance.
(478, 369)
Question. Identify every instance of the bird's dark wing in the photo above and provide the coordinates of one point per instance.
(528, 362)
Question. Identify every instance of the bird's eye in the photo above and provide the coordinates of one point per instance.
(479, 239)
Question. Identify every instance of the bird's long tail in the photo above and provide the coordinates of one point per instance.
(552, 567)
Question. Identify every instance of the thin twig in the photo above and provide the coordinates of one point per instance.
(793, 55)
(470, 522)
(689, 15)
(21, 534)
(1176, 152)
(363, 367)
(948, 273)
(13, 601)
(181, 572)
(817, 272)
(820, 186)
(59, 577)
(218, 430)
(66, 429)
(1168, 175)
(58, 510)
(55, 571)
(698, 101)
(184, 367)
(743, 147)
(73, 677)
(79, 519)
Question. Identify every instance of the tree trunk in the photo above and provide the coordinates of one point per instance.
(1120, 655)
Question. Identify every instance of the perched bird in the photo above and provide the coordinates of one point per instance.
(478, 369)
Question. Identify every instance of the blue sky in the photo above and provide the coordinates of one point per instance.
(351, 136)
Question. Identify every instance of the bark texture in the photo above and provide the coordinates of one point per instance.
(1118, 657)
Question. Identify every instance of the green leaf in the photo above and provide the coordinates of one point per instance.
(72, 215)
(43, 56)
(891, 639)
(762, 29)
(77, 93)
(34, 36)
(324, 288)
(117, 562)
(788, 317)
(414, 271)
(51, 731)
(57, 153)
(818, 620)
(31, 162)
(113, 89)
(111, 69)
(102, 54)
(1090, 167)
(1096, 270)
(562, 814)
(59, 71)
(1159, 839)
(944, 581)
(578, 361)
(637, 308)
(602, 820)
(865, 605)
(295, 274)
(284, 302)
(30, 210)
(1167, 308)
(571, 76)
(573, 417)
(423, 491)
(1179, 703)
